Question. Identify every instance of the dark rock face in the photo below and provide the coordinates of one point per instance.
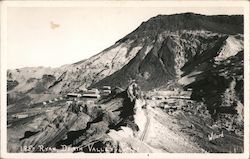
(220, 86)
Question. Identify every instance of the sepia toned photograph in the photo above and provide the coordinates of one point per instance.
(124, 77)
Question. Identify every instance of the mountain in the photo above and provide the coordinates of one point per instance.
(188, 51)
(164, 43)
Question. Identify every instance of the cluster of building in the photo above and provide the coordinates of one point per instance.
(163, 95)
(168, 97)
(91, 93)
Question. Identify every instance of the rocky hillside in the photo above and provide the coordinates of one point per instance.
(122, 122)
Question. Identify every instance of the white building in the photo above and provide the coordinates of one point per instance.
(106, 88)
(74, 95)
(69, 102)
(107, 91)
(20, 116)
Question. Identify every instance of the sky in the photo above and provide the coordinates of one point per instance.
(81, 32)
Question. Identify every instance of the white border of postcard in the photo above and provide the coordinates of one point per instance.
(6, 4)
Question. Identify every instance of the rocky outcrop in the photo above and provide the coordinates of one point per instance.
(134, 92)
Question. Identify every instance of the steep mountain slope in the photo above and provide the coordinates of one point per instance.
(172, 56)
(176, 41)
